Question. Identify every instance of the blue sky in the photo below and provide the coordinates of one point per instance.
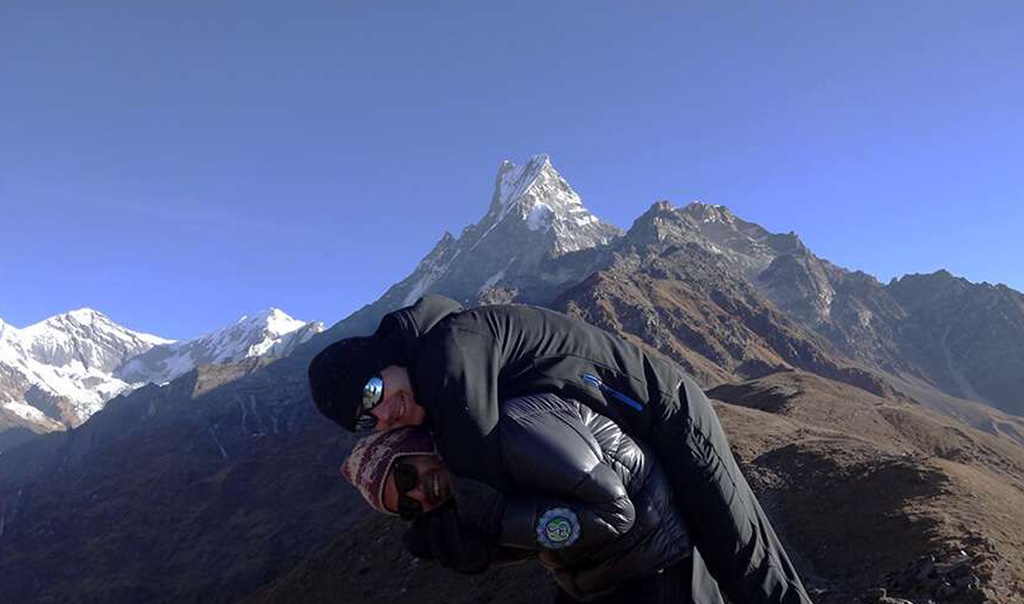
(178, 164)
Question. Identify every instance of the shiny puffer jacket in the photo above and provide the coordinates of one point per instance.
(592, 502)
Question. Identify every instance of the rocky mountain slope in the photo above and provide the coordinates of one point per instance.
(267, 333)
(964, 339)
(968, 339)
(231, 492)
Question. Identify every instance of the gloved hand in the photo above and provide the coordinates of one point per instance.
(439, 536)
(479, 505)
(415, 539)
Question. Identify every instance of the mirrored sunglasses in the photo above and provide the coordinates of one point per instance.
(373, 394)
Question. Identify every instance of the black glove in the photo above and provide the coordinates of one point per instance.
(479, 505)
(415, 539)
(452, 545)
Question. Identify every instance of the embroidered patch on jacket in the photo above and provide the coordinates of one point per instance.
(558, 528)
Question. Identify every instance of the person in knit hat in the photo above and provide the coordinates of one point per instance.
(588, 502)
(408, 453)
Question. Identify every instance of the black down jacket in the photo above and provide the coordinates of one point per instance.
(603, 513)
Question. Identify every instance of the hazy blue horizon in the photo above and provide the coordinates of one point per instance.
(178, 166)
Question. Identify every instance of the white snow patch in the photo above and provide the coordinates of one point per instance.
(516, 181)
(539, 216)
(524, 187)
(26, 412)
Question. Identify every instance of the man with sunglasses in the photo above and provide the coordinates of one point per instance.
(451, 369)
(608, 529)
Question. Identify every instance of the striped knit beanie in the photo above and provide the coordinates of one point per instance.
(367, 467)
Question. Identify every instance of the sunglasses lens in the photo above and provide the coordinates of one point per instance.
(373, 392)
(406, 477)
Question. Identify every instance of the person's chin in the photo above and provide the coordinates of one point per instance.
(415, 414)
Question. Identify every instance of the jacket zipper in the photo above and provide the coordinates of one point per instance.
(593, 380)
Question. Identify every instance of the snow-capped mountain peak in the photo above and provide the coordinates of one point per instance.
(68, 357)
(257, 334)
(542, 199)
(78, 317)
(274, 322)
(86, 315)
(533, 214)
(61, 370)
(514, 181)
(268, 332)
(84, 338)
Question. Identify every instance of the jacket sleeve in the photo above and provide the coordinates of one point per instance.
(582, 502)
(595, 512)
(729, 527)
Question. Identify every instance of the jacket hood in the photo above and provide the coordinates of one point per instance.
(400, 330)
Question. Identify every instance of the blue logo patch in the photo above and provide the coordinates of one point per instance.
(558, 528)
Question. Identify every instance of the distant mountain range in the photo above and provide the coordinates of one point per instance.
(863, 413)
(964, 339)
(59, 372)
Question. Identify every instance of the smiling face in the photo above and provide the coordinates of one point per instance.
(432, 483)
(398, 407)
